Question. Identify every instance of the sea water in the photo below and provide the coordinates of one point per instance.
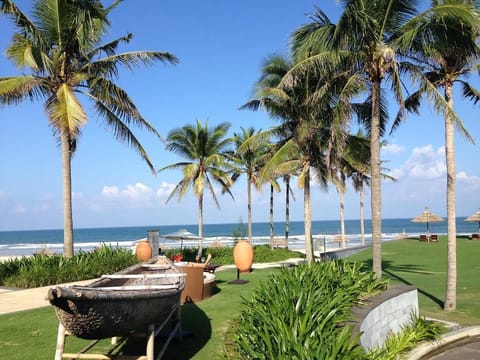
(27, 242)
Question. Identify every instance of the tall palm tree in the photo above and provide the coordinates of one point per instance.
(444, 42)
(60, 48)
(293, 134)
(205, 150)
(365, 30)
(288, 192)
(274, 186)
(360, 178)
(355, 156)
(313, 111)
(248, 158)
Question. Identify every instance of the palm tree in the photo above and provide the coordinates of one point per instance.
(365, 31)
(288, 192)
(205, 150)
(313, 110)
(354, 158)
(360, 178)
(444, 42)
(59, 48)
(248, 158)
(274, 186)
(294, 135)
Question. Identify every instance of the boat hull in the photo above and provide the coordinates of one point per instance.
(107, 307)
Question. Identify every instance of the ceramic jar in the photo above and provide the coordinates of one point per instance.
(243, 256)
(143, 250)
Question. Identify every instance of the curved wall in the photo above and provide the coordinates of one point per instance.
(384, 314)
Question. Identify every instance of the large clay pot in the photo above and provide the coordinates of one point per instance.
(243, 256)
(143, 250)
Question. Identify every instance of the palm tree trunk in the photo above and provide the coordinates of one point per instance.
(451, 293)
(200, 225)
(287, 208)
(249, 209)
(67, 195)
(342, 216)
(271, 216)
(376, 195)
(307, 208)
(362, 215)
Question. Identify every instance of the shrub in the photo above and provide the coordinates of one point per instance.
(224, 255)
(419, 330)
(300, 314)
(43, 270)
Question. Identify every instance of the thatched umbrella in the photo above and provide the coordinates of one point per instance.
(475, 218)
(427, 217)
(181, 235)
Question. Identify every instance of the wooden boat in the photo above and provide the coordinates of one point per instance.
(122, 303)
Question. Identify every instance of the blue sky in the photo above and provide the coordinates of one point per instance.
(221, 45)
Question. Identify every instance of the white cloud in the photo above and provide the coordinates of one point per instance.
(423, 163)
(133, 196)
(110, 191)
(468, 182)
(393, 149)
(164, 190)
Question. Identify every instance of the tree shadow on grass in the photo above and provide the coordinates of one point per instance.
(196, 329)
(392, 271)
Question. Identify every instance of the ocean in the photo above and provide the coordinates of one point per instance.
(17, 243)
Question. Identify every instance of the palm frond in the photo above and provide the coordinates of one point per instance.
(14, 90)
(24, 54)
(25, 25)
(109, 48)
(65, 110)
(121, 131)
(108, 66)
(470, 92)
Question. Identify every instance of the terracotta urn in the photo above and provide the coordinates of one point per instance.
(243, 256)
(143, 250)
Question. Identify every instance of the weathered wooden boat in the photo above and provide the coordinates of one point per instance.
(122, 303)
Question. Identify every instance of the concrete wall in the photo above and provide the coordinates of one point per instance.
(384, 314)
(342, 253)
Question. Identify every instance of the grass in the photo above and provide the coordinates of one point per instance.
(424, 265)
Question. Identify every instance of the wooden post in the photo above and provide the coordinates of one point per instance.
(60, 342)
(151, 342)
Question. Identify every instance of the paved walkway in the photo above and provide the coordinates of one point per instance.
(461, 344)
(13, 300)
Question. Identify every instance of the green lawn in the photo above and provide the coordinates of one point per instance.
(424, 265)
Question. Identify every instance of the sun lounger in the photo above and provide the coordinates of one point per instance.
(423, 238)
(474, 237)
(434, 238)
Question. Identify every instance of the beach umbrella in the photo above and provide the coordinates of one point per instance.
(181, 234)
(427, 217)
(475, 218)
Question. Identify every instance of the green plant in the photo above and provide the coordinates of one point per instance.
(419, 330)
(42, 270)
(300, 314)
(239, 232)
